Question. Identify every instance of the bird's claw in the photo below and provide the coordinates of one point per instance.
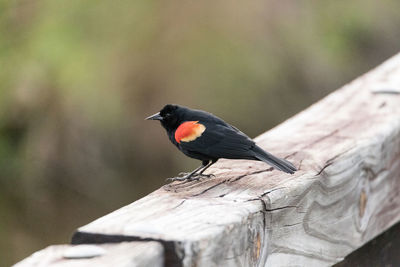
(193, 177)
(184, 174)
(207, 175)
(173, 179)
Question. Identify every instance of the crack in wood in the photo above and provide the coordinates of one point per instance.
(209, 188)
(293, 224)
(270, 191)
(248, 174)
(180, 204)
(323, 168)
(230, 180)
(332, 160)
(281, 208)
(322, 138)
(264, 211)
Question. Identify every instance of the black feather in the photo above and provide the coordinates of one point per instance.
(280, 164)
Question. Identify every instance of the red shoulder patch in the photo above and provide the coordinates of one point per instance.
(189, 131)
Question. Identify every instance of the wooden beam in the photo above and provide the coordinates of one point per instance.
(126, 254)
(347, 150)
(383, 250)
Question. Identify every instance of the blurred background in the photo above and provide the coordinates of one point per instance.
(77, 78)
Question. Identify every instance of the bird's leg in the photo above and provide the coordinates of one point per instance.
(188, 176)
(205, 168)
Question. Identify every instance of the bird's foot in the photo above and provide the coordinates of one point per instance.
(184, 178)
(205, 175)
(184, 174)
(187, 177)
(197, 175)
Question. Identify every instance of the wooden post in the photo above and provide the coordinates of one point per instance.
(347, 150)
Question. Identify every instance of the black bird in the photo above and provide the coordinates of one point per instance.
(204, 136)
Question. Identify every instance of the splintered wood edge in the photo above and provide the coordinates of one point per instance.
(347, 150)
(171, 256)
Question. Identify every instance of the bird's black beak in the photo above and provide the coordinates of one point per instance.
(156, 117)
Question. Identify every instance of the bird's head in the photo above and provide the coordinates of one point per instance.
(170, 116)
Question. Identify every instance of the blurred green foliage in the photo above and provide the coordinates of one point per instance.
(78, 77)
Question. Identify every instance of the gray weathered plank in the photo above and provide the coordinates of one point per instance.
(126, 254)
(347, 150)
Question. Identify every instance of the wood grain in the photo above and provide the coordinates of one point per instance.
(126, 254)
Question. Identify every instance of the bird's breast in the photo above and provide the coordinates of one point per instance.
(189, 131)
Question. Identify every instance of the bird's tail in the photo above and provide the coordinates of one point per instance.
(277, 163)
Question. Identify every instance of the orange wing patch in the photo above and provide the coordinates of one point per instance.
(189, 131)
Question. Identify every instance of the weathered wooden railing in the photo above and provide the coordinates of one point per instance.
(346, 192)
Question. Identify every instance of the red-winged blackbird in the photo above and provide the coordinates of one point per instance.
(203, 136)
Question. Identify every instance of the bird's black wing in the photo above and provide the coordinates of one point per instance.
(220, 141)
